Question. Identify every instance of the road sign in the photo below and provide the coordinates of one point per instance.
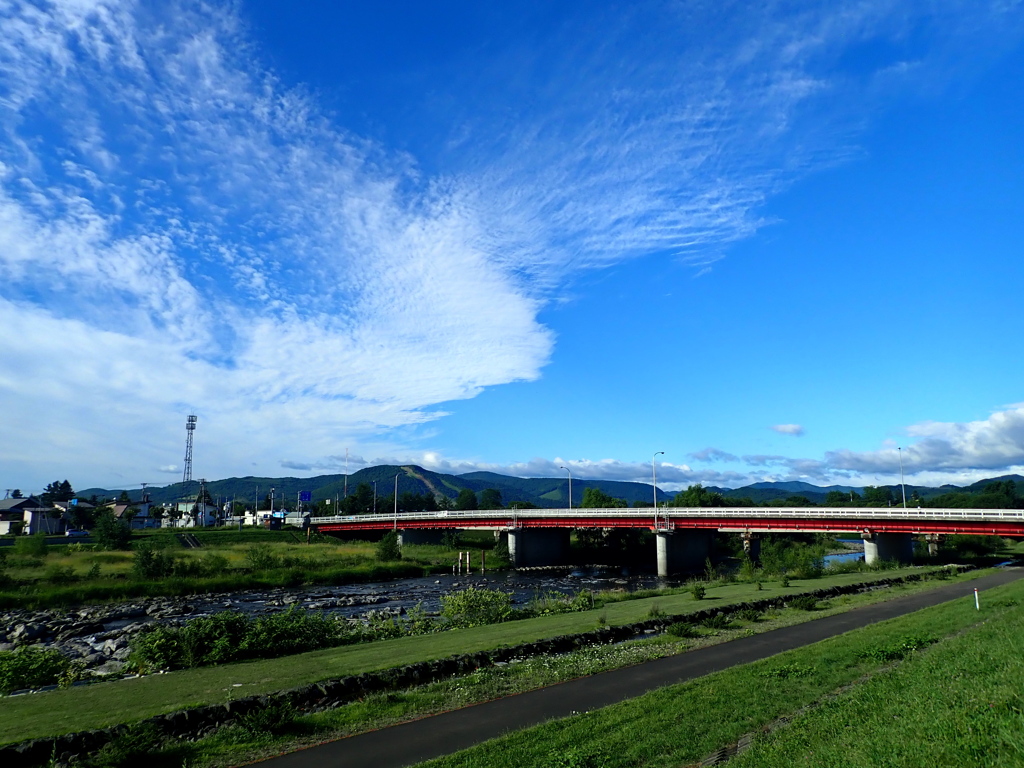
(305, 495)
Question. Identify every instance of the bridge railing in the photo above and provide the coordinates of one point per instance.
(509, 516)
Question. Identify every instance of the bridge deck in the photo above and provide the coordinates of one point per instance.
(1001, 522)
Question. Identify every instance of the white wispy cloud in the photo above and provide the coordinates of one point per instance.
(789, 429)
(995, 444)
(179, 230)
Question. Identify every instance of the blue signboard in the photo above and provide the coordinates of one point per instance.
(305, 495)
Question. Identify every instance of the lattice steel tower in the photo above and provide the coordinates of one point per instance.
(190, 428)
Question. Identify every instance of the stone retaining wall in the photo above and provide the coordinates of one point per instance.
(195, 723)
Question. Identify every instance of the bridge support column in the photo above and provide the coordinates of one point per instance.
(682, 550)
(530, 547)
(419, 536)
(933, 543)
(888, 546)
(752, 546)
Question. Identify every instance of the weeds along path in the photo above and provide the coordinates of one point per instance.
(433, 737)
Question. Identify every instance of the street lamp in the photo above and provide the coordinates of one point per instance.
(654, 484)
(903, 488)
(570, 485)
(375, 497)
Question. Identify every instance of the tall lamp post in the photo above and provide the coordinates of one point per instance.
(654, 485)
(903, 488)
(570, 486)
(396, 502)
(375, 497)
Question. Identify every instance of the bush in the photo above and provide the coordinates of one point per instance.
(804, 603)
(31, 668)
(111, 533)
(555, 602)
(232, 636)
(260, 558)
(61, 575)
(749, 614)
(31, 546)
(698, 591)
(473, 607)
(275, 718)
(131, 747)
(718, 621)
(150, 564)
(655, 612)
(682, 629)
(388, 548)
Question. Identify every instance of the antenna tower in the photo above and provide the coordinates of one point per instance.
(190, 428)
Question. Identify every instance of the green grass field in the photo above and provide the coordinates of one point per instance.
(955, 703)
(105, 704)
(73, 574)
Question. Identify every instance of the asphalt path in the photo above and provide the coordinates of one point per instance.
(430, 737)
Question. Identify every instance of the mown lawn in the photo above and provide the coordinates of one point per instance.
(954, 703)
(105, 704)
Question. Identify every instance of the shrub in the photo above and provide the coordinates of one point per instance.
(111, 533)
(785, 582)
(31, 667)
(718, 621)
(682, 629)
(260, 558)
(698, 591)
(292, 631)
(655, 612)
(31, 546)
(150, 564)
(749, 614)
(556, 602)
(232, 636)
(130, 747)
(473, 607)
(61, 575)
(804, 603)
(275, 718)
(388, 548)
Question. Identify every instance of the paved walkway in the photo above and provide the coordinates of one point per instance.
(414, 742)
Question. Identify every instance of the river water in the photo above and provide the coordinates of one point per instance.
(355, 599)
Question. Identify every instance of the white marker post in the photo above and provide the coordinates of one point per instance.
(977, 603)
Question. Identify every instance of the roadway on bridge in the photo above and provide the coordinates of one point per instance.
(430, 737)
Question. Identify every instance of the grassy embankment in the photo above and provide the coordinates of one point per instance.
(77, 573)
(120, 701)
(953, 703)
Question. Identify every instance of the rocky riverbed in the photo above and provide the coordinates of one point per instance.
(99, 636)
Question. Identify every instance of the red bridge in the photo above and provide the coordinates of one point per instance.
(540, 536)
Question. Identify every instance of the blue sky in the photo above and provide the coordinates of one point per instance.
(773, 243)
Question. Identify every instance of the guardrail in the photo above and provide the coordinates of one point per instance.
(670, 513)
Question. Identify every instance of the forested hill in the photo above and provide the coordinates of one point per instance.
(540, 491)
(553, 491)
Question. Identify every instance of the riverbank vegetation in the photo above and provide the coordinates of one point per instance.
(244, 743)
(34, 574)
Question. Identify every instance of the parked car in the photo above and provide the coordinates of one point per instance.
(75, 534)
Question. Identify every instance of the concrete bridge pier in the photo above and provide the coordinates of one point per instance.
(529, 547)
(933, 543)
(888, 546)
(752, 546)
(682, 550)
(419, 536)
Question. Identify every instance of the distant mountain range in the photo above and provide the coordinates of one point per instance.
(541, 491)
